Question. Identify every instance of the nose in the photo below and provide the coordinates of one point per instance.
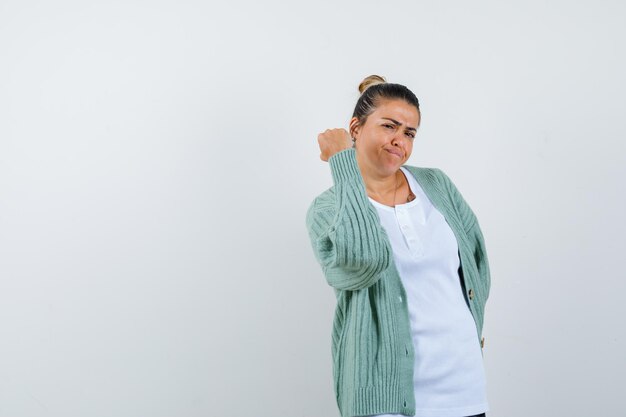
(398, 139)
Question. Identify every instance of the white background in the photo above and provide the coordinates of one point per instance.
(157, 159)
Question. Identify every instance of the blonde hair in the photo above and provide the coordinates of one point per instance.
(370, 81)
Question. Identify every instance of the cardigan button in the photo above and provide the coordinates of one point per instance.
(399, 298)
(471, 294)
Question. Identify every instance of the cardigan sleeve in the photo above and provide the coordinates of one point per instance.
(348, 239)
(473, 231)
(480, 256)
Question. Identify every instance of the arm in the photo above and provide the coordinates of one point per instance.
(347, 238)
(480, 256)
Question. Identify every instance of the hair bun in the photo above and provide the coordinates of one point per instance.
(370, 81)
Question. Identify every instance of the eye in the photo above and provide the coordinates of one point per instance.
(411, 135)
(389, 126)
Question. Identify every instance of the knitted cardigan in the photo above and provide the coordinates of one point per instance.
(372, 350)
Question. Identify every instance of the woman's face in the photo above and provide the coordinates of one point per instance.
(385, 141)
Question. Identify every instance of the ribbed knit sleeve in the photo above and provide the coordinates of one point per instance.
(480, 256)
(347, 237)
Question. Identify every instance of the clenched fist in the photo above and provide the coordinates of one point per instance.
(332, 141)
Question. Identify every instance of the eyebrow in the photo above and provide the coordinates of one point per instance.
(400, 124)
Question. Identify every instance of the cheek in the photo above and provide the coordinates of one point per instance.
(409, 150)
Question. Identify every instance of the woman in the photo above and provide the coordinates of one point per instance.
(406, 258)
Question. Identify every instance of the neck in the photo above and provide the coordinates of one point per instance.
(380, 186)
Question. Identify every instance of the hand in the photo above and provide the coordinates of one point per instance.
(332, 141)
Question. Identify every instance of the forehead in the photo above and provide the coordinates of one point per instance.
(399, 110)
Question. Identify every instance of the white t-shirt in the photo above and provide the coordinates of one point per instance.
(449, 378)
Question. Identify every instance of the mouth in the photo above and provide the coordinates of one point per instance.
(396, 152)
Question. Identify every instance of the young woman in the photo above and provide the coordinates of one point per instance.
(406, 258)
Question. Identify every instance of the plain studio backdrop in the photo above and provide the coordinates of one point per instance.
(157, 160)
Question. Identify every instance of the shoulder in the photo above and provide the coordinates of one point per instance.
(324, 201)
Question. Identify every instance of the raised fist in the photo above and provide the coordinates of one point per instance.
(332, 141)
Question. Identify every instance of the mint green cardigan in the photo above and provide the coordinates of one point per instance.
(372, 349)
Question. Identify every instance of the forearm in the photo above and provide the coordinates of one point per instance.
(348, 240)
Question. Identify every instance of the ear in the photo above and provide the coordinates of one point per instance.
(354, 127)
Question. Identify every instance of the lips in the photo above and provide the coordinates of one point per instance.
(396, 152)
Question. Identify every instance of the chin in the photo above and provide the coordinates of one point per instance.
(391, 169)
